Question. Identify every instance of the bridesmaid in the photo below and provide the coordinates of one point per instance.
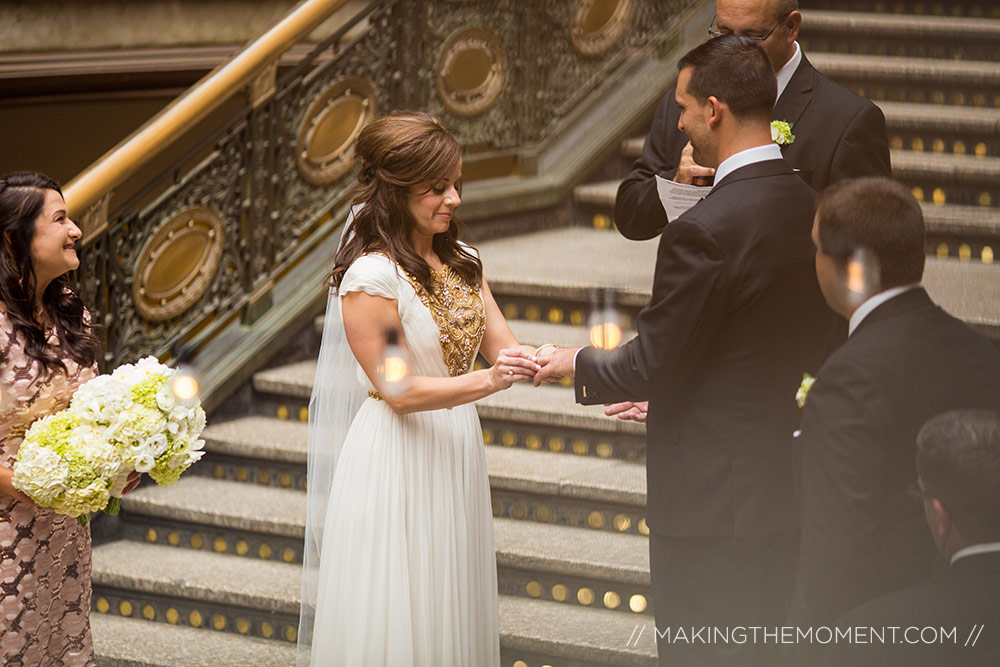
(47, 350)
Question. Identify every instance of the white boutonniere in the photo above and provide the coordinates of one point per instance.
(781, 133)
(803, 392)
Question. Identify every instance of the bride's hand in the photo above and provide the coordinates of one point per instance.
(512, 365)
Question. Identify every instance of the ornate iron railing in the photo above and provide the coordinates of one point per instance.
(203, 242)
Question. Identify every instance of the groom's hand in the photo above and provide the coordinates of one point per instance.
(688, 169)
(557, 365)
(628, 411)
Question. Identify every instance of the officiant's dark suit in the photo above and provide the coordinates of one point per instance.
(958, 458)
(907, 360)
(736, 316)
(838, 134)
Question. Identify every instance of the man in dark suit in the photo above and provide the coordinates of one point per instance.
(904, 361)
(736, 316)
(958, 461)
(837, 133)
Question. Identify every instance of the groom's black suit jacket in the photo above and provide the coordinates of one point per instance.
(838, 135)
(863, 532)
(736, 316)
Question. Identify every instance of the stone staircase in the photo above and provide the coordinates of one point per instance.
(207, 571)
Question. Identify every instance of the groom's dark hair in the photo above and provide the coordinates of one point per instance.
(737, 71)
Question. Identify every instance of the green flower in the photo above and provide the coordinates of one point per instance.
(781, 133)
(803, 392)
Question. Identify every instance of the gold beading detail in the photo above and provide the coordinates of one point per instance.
(458, 310)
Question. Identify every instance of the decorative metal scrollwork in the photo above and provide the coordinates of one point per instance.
(599, 24)
(177, 264)
(330, 126)
(471, 71)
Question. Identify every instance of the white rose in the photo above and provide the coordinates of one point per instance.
(156, 444)
(144, 462)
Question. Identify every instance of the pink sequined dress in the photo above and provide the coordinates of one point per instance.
(44, 556)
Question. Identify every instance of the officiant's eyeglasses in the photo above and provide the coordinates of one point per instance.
(713, 30)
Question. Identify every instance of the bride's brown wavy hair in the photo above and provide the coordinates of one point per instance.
(22, 197)
(398, 153)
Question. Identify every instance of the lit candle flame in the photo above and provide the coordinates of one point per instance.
(395, 369)
(606, 335)
(856, 276)
(185, 385)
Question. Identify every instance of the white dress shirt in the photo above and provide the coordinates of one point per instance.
(745, 157)
(975, 549)
(787, 70)
(874, 302)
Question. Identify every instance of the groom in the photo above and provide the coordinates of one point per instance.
(736, 317)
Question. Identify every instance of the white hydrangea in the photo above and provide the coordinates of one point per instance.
(77, 460)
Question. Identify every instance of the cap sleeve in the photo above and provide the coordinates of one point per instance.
(372, 274)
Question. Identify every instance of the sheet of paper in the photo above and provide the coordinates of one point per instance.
(679, 197)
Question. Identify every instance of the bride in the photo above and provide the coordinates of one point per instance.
(399, 566)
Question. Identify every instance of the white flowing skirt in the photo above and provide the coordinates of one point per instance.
(408, 571)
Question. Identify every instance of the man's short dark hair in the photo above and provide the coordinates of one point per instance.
(958, 460)
(877, 215)
(736, 70)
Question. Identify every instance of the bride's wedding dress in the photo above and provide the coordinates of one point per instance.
(407, 574)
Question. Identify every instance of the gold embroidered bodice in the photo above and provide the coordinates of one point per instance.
(458, 310)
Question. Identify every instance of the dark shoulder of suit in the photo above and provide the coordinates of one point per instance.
(923, 360)
(957, 612)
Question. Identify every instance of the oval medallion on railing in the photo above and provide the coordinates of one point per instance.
(599, 24)
(471, 71)
(330, 126)
(177, 264)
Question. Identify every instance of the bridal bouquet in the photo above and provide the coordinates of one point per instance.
(78, 460)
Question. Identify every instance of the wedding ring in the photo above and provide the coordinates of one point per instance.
(510, 371)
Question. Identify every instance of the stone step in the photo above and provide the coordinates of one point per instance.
(941, 128)
(965, 180)
(215, 514)
(197, 589)
(924, 71)
(220, 516)
(952, 224)
(970, 233)
(535, 559)
(573, 565)
(533, 631)
(920, 80)
(968, 290)
(562, 268)
(972, 8)
(539, 632)
(131, 642)
(900, 35)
